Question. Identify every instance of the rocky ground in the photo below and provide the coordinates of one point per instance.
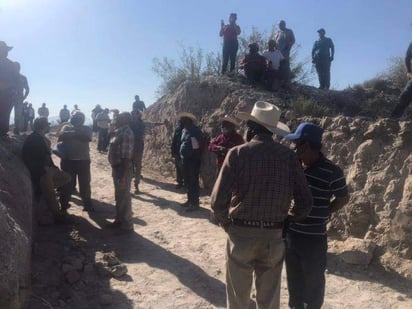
(174, 259)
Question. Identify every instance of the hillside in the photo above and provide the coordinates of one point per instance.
(374, 151)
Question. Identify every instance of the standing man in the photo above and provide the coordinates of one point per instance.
(76, 137)
(64, 114)
(284, 39)
(323, 52)
(9, 79)
(230, 44)
(251, 199)
(175, 149)
(228, 139)
(138, 105)
(75, 110)
(190, 154)
(138, 127)
(30, 115)
(306, 241)
(22, 91)
(406, 96)
(95, 111)
(120, 158)
(103, 123)
(43, 111)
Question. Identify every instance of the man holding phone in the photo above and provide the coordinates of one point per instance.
(230, 44)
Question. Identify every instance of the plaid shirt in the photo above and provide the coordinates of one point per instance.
(121, 146)
(258, 181)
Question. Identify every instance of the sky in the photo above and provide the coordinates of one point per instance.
(89, 52)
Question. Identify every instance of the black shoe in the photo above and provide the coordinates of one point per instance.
(192, 207)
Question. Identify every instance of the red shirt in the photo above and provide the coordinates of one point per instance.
(229, 33)
(226, 141)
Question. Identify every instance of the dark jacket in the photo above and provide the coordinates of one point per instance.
(191, 143)
(176, 141)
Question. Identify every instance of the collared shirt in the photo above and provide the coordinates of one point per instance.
(322, 49)
(64, 114)
(284, 41)
(76, 147)
(121, 145)
(325, 180)
(230, 32)
(258, 181)
(227, 141)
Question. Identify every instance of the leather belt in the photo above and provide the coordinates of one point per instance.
(258, 224)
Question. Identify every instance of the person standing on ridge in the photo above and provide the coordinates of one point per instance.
(138, 104)
(323, 52)
(306, 241)
(406, 96)
(64, 114)
(285, 39)
(230, 43)
(9, 79)
(95, 111)
(251, 199)
(22, 92)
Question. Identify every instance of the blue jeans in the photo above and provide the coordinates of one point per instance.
(305, 259)
(404, 100)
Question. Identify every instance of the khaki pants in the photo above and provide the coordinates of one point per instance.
(123, 199)
(254, 252)
(53, 179)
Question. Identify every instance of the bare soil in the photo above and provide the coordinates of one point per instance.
(174, 259)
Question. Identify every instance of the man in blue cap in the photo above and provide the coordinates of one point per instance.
(306, 241)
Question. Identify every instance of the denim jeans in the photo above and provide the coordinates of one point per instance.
(305, 267)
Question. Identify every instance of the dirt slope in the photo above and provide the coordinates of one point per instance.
(174, 259)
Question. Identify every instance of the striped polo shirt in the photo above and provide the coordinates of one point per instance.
(326, 180)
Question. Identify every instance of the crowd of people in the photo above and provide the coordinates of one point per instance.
(273, 66)
(273, 202)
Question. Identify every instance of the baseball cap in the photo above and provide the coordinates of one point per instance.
(308, 132)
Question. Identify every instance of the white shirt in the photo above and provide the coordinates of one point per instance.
(275, 57)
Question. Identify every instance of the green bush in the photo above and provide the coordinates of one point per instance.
(307, 107)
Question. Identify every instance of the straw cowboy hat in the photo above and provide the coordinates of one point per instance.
(3, 46)
(230, 120)
(267, 115)
(187, 115)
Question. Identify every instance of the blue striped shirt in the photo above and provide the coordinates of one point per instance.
(325, 180)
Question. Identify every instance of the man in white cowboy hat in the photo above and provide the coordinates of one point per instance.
(251, 199)
(306, 242)
(190, 153)
(9, 81)
(228, 139)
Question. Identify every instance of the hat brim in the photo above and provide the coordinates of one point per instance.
(292, 137)
(230, 120)
(281, 128)
(187, 115)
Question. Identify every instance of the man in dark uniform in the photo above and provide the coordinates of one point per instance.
(138, 104)
(323, 52)
(406, 96)
(177, 136)
(190, 153)
(9, 80)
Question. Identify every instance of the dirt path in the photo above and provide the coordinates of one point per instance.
(174, 259)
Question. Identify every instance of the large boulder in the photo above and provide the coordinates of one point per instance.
(15, 226)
